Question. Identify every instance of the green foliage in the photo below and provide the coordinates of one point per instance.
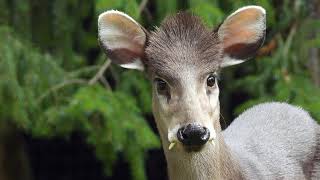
(25, 73)
(209, 11)
(100, 112)
(136, 86)
(44, 100)
(284, 76)
(166, 7)
(46, 48)
(131, 7)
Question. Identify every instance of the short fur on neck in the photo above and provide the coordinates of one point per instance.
(214, 161)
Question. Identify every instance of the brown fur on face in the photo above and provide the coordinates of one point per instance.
(181, 41)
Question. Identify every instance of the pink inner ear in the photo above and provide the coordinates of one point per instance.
(243, 51)
(238, 37)
(242, 33)
(242, 27)
(121, 37)
(119, 31)
(123, 56)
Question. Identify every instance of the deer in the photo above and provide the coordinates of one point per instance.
(182, 58)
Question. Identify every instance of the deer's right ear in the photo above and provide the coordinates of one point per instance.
(242, 34)
(122, 39)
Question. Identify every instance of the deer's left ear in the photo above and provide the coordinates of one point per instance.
(242, 34)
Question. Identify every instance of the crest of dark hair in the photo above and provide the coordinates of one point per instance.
(183, 39)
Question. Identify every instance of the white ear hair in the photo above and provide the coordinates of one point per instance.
(263, 11)
(116, 12)
(136, 64)
(228, 61)
(122, 38)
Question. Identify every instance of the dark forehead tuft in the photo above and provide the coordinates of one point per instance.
(182, 26)
(182, 39)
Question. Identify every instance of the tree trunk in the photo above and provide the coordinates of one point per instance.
(314, 62)
(13, 158)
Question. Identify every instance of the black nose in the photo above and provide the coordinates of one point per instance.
(193, 135)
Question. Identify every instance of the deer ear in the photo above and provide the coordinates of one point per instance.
(242, 34)
(122, 39)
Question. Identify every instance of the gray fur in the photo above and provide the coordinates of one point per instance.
(275, 141)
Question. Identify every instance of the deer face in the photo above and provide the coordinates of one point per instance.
(182, 58)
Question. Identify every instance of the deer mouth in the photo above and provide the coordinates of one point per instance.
(196, 148)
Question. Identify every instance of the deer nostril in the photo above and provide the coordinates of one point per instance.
(193, 135)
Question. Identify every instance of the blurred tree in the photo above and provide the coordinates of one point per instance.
(48, 88)
(54, 80)
(314, 62)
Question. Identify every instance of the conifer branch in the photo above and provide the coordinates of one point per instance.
(60, 86)
(100, 73)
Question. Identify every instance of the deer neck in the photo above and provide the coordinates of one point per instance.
(214, 161)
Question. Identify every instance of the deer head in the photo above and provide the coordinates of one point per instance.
(182, 59)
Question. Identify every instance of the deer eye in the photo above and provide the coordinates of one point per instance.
(211, 80)
(162, 86)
